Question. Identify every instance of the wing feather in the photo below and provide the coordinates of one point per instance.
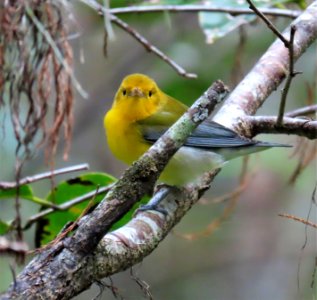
(207, 135)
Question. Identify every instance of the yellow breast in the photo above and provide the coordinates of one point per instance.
(124, 138)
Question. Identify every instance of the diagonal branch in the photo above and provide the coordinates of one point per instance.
(141, 177)
(72, 258)
(301, 220)
(151, 48)
(140, 38)
(267, 74)
(269, 24)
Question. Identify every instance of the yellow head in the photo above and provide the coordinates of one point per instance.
(138, 97)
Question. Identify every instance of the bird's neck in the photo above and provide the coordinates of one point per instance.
(135, 110)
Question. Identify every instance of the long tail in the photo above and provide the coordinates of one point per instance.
(230, 153)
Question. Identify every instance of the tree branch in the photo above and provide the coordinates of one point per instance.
(4, 185)
(268, 23)
(267, 74)
(301, 127)
(207, 8)
(140, 38)
(67, 267)
(141, 177)
(151, 48)
(144, 233)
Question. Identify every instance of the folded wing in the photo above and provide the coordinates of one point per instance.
(208, 135)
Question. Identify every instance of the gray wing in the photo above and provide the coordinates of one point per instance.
(209, 135)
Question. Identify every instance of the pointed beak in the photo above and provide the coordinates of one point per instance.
(136, 92)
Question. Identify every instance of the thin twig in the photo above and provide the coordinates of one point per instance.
(291, 75)
(145, 287)
(151, 48)
(306, 110)
(107, 20)
(65, 205)
(140, 38)
(30, 179)
(289, 44)
(269, 24)
(201, 7)
(314, 225)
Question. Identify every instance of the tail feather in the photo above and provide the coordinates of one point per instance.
(258, 146)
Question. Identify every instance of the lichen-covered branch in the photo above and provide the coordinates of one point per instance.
(141, 177)
(67, 267)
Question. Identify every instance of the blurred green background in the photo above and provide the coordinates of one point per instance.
(254, 254)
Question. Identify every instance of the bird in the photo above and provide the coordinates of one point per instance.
(140, 114)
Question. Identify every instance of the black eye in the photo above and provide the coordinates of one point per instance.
(124, 92)
(150, 93)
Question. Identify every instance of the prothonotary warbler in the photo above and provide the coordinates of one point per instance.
(141, 113)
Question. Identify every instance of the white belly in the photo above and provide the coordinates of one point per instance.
(188, 164)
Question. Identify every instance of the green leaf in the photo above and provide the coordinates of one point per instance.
(49, 226)
(217, 25)
(4, 227)
(25, 191)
